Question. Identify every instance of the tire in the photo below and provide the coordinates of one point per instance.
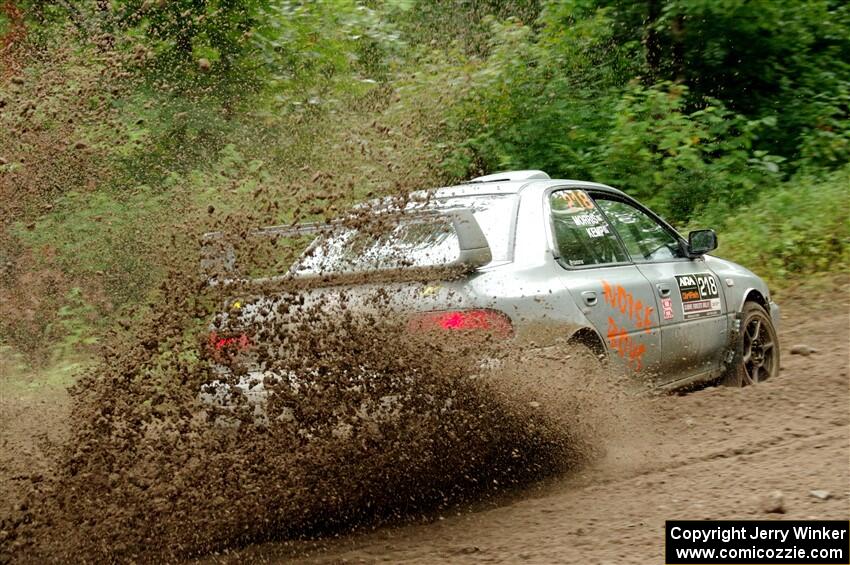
(759, 346)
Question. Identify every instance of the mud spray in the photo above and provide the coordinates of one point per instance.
(384, 423)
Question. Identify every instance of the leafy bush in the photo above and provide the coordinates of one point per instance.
(789, 60)
(797, 231)
(825, 138)
(556, 99)
(678, 161)
(541, 98)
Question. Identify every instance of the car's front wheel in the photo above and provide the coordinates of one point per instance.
(759, 358)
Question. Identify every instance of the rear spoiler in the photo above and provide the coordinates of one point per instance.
(218, 256)
(474, 249)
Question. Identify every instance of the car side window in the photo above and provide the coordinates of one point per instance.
(645, 239)
(582, 234)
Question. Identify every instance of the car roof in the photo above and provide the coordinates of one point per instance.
(506, 183)
(499, 187)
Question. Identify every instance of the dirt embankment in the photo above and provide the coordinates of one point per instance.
(707, 455)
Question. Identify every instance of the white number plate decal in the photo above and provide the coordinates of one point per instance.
(700, 295)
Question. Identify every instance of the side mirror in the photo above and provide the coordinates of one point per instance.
(701, 242)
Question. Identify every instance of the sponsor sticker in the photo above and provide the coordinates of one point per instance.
(700, 295)
(597, 231)
(589, 219)
(667, 308)
(430, 290)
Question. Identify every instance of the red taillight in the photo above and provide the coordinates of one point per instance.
(491, 321)
(230, 342)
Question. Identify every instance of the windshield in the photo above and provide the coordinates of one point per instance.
(412, 241)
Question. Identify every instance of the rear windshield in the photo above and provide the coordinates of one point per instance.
(413, 242)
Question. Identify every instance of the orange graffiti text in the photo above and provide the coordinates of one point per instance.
(624, 345)
(634, 309)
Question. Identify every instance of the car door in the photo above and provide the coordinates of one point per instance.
(610, 290)
(694, 329)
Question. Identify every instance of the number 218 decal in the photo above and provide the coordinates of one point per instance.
(700, 295)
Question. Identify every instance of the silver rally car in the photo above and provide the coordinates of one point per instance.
(547, 260)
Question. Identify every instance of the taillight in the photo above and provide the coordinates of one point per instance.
(484, 320)
(219, 343)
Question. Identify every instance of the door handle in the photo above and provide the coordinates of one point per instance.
(589, 297)
(663, 290)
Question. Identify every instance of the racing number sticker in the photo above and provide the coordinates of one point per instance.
(576, 200)
(700, 295)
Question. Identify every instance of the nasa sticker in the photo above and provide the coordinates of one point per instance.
(700, 295)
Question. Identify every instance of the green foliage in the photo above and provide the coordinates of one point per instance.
(541, 98)
(556, 100)
(243, 74)
(789, 60)
(795, 232)
(229, 49)
(317, 51)
(463, 23)
(678, 161)
(179, 29)
(825, 136)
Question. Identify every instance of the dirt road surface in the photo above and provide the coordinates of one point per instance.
(711, 454)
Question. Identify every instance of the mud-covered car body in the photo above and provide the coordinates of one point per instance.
(564, 260)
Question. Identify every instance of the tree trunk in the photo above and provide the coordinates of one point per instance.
(652, 42)
(677, 33)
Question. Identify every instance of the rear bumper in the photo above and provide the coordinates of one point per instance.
(252, 392)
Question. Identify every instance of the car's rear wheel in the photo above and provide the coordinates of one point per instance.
(759, 359)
